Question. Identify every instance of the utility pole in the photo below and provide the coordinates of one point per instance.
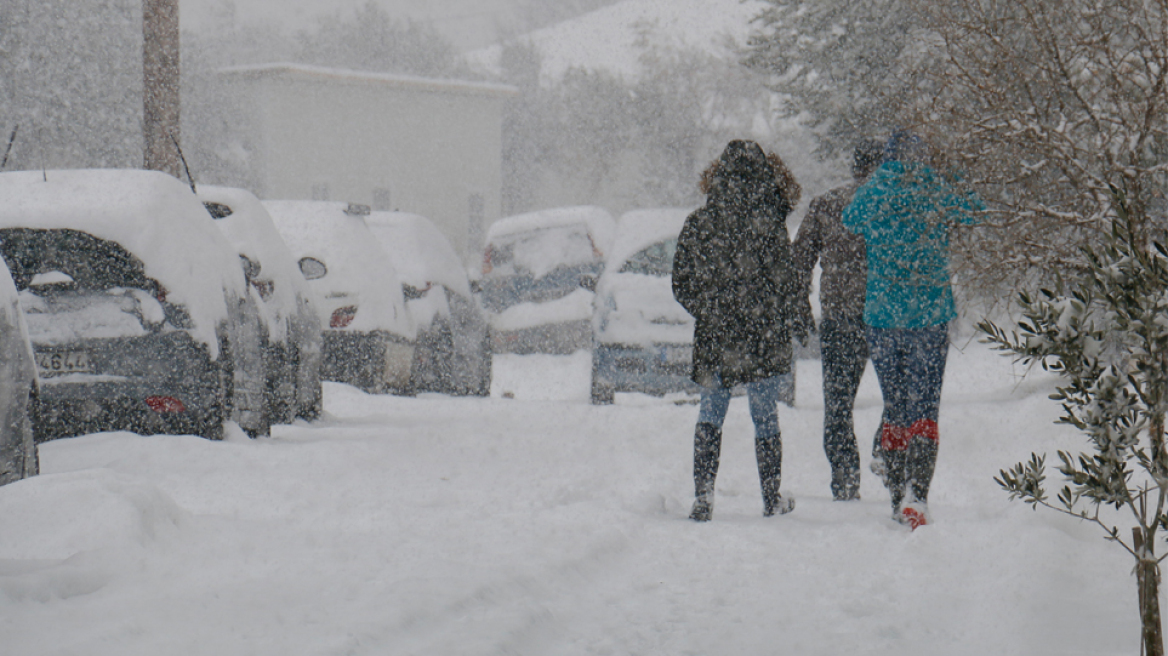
(160, 88)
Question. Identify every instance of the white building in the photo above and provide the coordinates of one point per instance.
(394, 142)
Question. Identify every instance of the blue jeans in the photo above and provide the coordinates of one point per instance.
(764, 401)
(910, 364)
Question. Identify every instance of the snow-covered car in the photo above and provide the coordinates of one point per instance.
(292, 348)
(539, 276)
(136, 305)
(368, 333)
(453, 355)
(643, 338)
(18, 452)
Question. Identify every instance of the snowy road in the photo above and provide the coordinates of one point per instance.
(542, 525)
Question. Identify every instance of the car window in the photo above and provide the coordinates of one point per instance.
(71, 258)
(656, 260)
(72, 277)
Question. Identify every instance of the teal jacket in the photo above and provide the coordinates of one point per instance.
(904, 213)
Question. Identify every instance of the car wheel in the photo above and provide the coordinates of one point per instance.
(210, 425)
(280, 391)
(602, 394)
(30, 453)
(307, 379)
(249, 401)
(486, 370)
(313, 409)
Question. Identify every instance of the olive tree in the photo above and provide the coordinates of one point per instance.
(1105, 335)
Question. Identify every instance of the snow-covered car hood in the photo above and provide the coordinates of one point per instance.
(421, 253)
(152, 216)
(359, 271)
(601, 225)
(250, 230)
(639, 310)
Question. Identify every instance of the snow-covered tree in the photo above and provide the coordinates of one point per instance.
(370, 39)
(593, 137)
(1046, 106)
(1105, 335)
(1043, 105)
(538, 13)
(834, 62)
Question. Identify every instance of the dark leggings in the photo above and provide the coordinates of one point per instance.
(844, 354)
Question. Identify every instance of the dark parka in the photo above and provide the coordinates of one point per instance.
(733, 272)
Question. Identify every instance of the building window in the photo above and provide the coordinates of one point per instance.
(381, 199)
(320, 191)
(476, 213)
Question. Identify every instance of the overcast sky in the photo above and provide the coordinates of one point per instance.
(469, 24)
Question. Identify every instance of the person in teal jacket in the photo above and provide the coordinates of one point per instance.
(905, 213)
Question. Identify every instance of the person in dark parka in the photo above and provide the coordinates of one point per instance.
(733, 273)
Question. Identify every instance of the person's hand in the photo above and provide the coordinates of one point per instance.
(802, 322)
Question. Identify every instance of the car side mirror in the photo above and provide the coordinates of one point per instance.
(312, 268)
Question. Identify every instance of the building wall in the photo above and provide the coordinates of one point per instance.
(426, 147)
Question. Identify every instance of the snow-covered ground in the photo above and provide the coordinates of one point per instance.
(540, 524)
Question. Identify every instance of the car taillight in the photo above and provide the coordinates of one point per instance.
(487, 254)
(343, 316)
(163, 404)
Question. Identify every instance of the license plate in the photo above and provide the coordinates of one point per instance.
(64, 362)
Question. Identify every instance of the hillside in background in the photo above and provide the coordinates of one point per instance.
(612, 38)
(468, 24)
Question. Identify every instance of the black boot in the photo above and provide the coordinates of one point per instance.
(895, 475)
(845, 483)
(769, 451)
(707, 448)
(878, 466)
(921, 462)
(840, 445)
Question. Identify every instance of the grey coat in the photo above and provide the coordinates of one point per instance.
(842, 256)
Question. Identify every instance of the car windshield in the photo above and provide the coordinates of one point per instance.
(656, 260)
(539, 252)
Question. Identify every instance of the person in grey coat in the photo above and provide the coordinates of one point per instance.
(842, 256)
(733, 273)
